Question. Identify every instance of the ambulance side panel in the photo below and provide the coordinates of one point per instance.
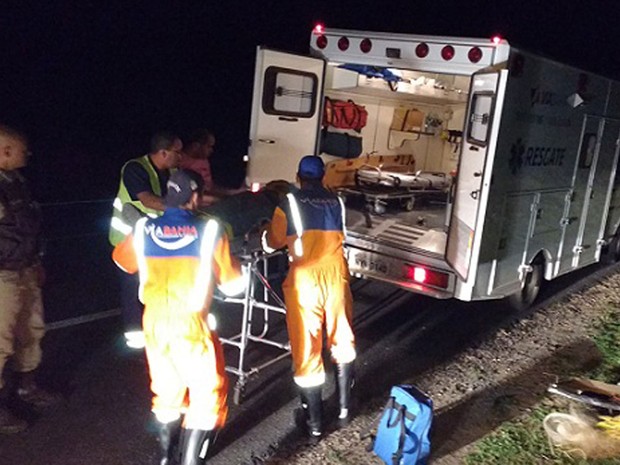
(552, 177)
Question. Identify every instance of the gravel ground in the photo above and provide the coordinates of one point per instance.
(491, 382)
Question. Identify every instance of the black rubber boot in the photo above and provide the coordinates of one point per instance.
(345, 382)
(194, 445)
(9, 423)
(312, 405)
(29, 392)
(168, 436)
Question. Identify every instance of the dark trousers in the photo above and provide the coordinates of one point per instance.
(131, 307)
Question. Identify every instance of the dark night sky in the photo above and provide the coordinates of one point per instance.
(90, 81)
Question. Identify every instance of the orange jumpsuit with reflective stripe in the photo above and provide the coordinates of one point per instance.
(316, 290)
(180, 258)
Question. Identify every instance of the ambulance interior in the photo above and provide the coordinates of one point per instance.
(397, 190)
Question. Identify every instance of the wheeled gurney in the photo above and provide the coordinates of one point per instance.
(379, 187)
(260, 295)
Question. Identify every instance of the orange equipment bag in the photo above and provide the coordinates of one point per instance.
(344, 115)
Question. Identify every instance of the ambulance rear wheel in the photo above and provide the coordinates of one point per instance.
(613, 250)
(523, 299)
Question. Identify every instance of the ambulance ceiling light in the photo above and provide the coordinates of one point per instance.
(343, 43)
(366, 45)
(447, 53)
(421, 50)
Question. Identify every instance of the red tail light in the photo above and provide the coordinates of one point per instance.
(421, 50)
(366, 45)
(321, 42)
(447, 53)
(421, 275)
(474, 55)
(343, 43)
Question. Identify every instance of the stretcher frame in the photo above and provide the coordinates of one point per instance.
(256, 272)
(377, 198)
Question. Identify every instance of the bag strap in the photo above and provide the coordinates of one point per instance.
(398, 454)
(375, 422)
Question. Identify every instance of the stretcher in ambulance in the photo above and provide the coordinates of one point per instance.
(534, 144)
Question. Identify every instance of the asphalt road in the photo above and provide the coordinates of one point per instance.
(105, 416)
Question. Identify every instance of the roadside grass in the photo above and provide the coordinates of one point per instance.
(523, 441)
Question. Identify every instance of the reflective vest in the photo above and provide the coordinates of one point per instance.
(119, 228)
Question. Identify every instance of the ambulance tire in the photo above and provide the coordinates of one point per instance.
(613, 250)
(523, 299)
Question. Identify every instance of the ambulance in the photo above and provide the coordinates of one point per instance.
(529, 146)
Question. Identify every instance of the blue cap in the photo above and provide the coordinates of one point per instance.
(180, 187)
(311, 167)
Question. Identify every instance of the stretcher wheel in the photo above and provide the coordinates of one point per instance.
(379, 207)
(238, 394)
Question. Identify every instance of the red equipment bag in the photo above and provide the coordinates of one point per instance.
(344, 115)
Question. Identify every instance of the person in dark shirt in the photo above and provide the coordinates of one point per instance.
(21, 278)
(141, 193)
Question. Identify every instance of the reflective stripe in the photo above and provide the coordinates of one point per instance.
(264, 244)
(135, 339)
(212, 322)
(120, 226)
(166, 416)
(138, 245)
(299, 229)
(343, 354)
(200, 421)
(344, 216)
(309, 381)
(235, 286)
(203, 277)
(118, 204)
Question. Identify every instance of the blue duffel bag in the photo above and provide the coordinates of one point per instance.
(403, 433)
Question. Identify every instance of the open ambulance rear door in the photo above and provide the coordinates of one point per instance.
(286, 114)
(474, 172)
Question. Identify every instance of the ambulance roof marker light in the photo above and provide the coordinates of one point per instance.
(421, 50)
(496, 39)
(474, 54)
(366, 45)
(321, 41)
(343, 43)
(447, 52)
(319, 29)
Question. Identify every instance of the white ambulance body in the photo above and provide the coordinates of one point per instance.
(535, 151)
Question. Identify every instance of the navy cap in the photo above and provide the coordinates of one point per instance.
(311, 167)
(181, 185)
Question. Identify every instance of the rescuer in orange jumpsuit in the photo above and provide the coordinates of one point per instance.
(180, 258)
(310, 222)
